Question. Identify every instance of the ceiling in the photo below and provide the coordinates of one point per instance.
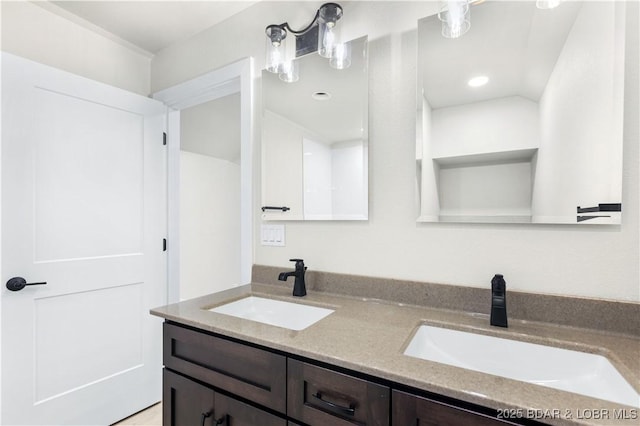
(154, 25)
(340, 118)
(513, 43)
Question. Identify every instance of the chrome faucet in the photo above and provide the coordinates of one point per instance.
(499, 301)
(299, 288)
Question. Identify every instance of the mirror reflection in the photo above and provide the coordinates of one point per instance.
(314, 140)
(520, 119)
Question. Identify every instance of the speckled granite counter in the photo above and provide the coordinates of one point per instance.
(369, 336)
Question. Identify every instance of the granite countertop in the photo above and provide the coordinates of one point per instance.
(369, 336)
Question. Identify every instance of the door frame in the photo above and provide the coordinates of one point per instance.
(236, 77)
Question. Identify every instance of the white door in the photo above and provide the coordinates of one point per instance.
(84, 210)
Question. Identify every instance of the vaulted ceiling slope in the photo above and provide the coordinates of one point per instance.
(153, 25)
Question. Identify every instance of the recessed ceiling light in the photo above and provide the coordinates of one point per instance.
(321, 96)
(478, 81)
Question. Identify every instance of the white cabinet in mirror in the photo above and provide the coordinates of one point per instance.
(520, 119)
(315, 141)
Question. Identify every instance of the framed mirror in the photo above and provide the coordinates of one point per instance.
(520, 119)
(315, 140)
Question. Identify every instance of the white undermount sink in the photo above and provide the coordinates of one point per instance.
(572, 371)
(294, 316)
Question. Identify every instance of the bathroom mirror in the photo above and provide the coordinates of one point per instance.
(315, 141)
(520, 119)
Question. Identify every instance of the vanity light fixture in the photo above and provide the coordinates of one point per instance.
(281, 52)
(548, 4)
(455, 17)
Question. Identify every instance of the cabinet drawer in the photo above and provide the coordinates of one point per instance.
(318, 396)
(251, 373)
(411, 410)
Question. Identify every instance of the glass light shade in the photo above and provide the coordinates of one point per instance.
(276, 48)
(289, 72)
(548, 4)
(341, 57)
(328, 30)
(455, 17)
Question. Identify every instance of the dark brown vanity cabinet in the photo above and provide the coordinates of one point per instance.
(408, 409)
(211, 380)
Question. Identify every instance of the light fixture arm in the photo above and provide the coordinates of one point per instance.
(286, 27)
(305, 29)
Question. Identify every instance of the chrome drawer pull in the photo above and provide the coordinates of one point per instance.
(348, 411)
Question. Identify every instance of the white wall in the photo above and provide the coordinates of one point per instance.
(556, 259)
(429, 207)
(210, 197)
(504, 124)
(209, 224)
(317, 178)
(578, 150)
(348, 175)
(35, 33)
(553, 259)
(484, 191)
(283, 160)
(334, 178)
(212, 128)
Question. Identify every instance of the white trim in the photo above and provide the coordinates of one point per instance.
(233, 78)
(246, 169)
(173, 205)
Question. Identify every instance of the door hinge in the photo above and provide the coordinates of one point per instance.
(164, 138)
(164, 244)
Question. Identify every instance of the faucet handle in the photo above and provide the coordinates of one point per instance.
(299, 263)
(498, 284)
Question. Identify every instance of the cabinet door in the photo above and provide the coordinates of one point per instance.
(235, 413)
(185, 402)
(411, 410)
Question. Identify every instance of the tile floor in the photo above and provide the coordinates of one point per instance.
(152, 416)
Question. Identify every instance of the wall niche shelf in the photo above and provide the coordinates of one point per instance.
(486, 187)
(486, 158)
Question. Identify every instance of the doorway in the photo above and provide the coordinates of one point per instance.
(210, 197)
(235, 79)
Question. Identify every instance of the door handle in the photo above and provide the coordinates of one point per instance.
(208, 414)
(18, 283)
